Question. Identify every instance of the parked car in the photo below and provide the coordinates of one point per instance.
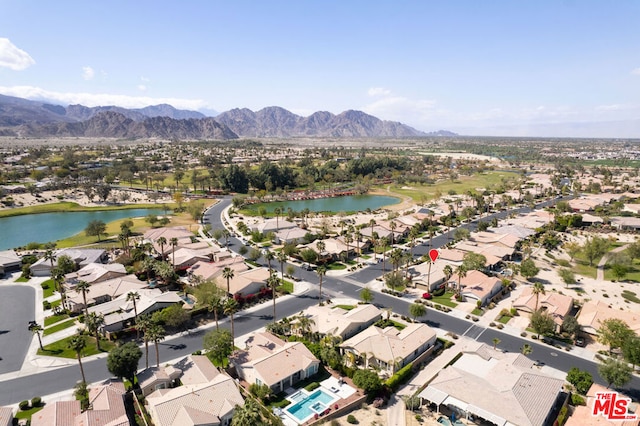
(580, 341)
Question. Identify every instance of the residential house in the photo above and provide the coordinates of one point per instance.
(557, 305)
(106, 409)
(274, 225)
(245, 282)
(506, 240)
(94, 273)
(518, 231)
(269, 360)
(119, 313)
(183, 258)
(81, 257)
(182, 234)
(582, 415)
(389, 349)
(196, 369)
(207, 271)
(340, 322)
(104, 291)
(154, 378)
(478, 286)
(6, 416)
(290, 235)
(630, 207)
(9, 261)
(427, 275)
(497, 250)
(625, 223)
(593, 313)
(503, 388)
(455, 257)
(588, 220)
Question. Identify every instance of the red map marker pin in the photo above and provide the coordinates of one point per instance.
(433, 254)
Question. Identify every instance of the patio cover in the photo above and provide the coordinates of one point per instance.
(456, 403)
(433, 395)
(486, 415)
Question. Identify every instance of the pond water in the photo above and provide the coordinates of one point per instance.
(18, 231)
(351, 203)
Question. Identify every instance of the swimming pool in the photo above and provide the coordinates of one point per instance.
(314, 403)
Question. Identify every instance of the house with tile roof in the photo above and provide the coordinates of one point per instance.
(94, 273)
(582, 415)
(182, 234)
(206, 271)
(196, 369)
(389, 349)
(593, 313)
(427, 275)
(501, 388)
(153, 378)
(104, 291)
(6, 416)
(269, 360)
(341, 322)
(81, 257)
(9, 261)
(208, 403)
(477, 286)
(557, 305)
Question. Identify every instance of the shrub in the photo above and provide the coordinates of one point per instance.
(419, 418)
(500, 326)
(352, 419)
(523, 334)
(46, 305)
(312, 386)
(399, 377)
(24, 405)
(36, 401)
(577, 399)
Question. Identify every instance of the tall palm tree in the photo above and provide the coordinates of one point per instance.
(269, 256)
(393, 227)
(144, 322)
(348, 239)
(215, 304)
(277, 212)
(133, 296)
(537, 289)
(321, 271)
(448, 272)
(282, 258)
(162, 241)
(372, 223)
(50, 256)
(230, 308)
(156, 334)
(382, 244)
(58, 279)
(526, 349)
(358, 237)
(396, 258)
(36, 329)
(228, 274)
(273, 282)
(247, 414)
(462, 272)
(226, 234)
(77, 344)
(174, 244)
(83, 288)
(93, 322)
(320, 245)
(496, 342)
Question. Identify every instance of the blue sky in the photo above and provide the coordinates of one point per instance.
(476, 67)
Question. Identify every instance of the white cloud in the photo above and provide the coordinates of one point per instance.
(636, 71)
(142, 87)
(100, 99)
(88, 73)
(378, 91)
(12, 57)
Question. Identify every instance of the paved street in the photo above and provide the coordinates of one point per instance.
(26, 386)
(17, 308)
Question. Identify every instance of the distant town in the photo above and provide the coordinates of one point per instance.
(441, 280)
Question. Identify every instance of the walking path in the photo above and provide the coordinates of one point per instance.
(603, 261)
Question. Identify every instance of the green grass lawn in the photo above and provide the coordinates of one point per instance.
(61, 349)
(72, 207)
(26, 414)
(59, 326)
(630, 296)
(54, 319)
(336, 266)
(477, 312)
(286, 286)
(345, 307)
(504, 319)
(632, 275)
(48, 288)
(460, 185)
(445, 299)
(22, 280)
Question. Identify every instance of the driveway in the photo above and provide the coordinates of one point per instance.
(17, 308)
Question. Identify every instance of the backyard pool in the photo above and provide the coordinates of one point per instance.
(314, 403)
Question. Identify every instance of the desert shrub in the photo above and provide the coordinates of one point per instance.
(312, 386)
(23, 405)
(352, 419)
(577, 399)
(36, 401)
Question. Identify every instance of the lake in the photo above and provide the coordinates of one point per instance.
(351, 203)
(19, 231)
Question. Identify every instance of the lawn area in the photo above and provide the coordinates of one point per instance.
(54, 319)
(336, 266)
(59, 326)
(630, 296)
(445, 299)
(632, 275)
(22, 280)
(460, 185)
(26, 414)
(477, 312)
(345, 307)
(71, 207)
(504, 319)
(285, 287)
(581, 264)
(61, 349)
(48, 288)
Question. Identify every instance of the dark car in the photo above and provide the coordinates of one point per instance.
(580, 341)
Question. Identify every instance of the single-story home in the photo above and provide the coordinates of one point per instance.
(94, 273)
(104, 291)
(6, 416)
(427, 275)
(206, 271)
(557, 305)
(593, 313)
(503, 388)
(81, 257)
(9, 261)
(583, 414)
(626, 223)
(478, 286)
(274, 225)
(154, 378)
(269, 360)
(182, 234)
(245, 282)
(389, 349)
(290, 235)
(341, 322)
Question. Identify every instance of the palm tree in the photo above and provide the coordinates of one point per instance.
(462, 273)
(161, 242)
(358, 237)
(50, 256)
(247, 414)
(382, 245)
(496, 342)
(144, 322)
(320, 245)
(282, 258)
(537, 289)
(273, 282)
(526, 349)
(448, 272)
(228, 274)
(230, 308)
(226, 234)
(321, 271)
(58, 279)
(83, 288)
(348, 239)
(133, 296)
(396, 258)
(269, 256)
(156, 334)
(174, 244)
(304, 324)
(77, 344)
(215, 305)
(94, 321)
(277, 212)
(36, 329)
(393, 227)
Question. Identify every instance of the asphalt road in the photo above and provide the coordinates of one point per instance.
(15, 390)
(17, 308)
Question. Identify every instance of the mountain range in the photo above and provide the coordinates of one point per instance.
(26, 118)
